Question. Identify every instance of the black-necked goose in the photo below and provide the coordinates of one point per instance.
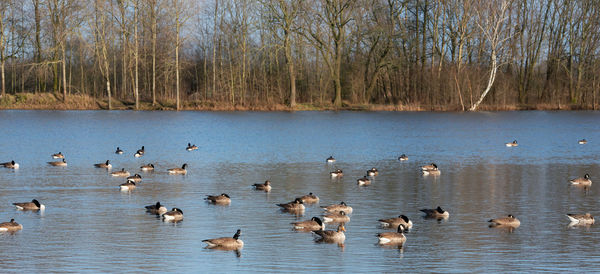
(364, 181)
(336, 217)
(10, 226)
(129, 185)
(33, 205)
(310, 225)
(372, 172)
(222, 199)
(136, 178)
(336, 173)
(148, 167)
(106, 165)
(509, 221)
(582, 142)
(120, 173)
(266, 187)
(585, 181)
(333, 236)
(12, 165)
(330, 159)
(437, 213)
(58, 163)
(338, 207)
(119, 151)
(392, 238)
(174, 215)
(177, 170)
(512, 144)
(395, 222)
(58, 155)
(233, 243)
(403, 157)
(294, 206)
(140, 152)
(157, 209)
(191, 147)
(309, 198)
(581, 219)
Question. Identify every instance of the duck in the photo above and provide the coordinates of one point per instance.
(509, 221)
(339, 217)
(33, 205)
(330, 159)
(310, 198)
(120, 173)
(437, 213)
(58, 163)
(178, 170)
(12, 165)
(585, 181)
(191, 147)
(10, 226)
(157, 209)
(336, 173)
(372, 172)
(129, 185)
(222, 199)
(58, 155)
(174, 215)
(140, 152)
(395, 222)
(364, 181)
(266, 187)
(310, 225)
(294, 206)
(393, 238)
(582, 141)
(581, 219)
(512, 144)
(106, 165)
(336, 236)
(118, 151)
(233, 243)
(136, 178)
(147, 167)
(403, 157)
(339, 207)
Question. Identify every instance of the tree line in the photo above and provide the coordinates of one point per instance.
(445, 54)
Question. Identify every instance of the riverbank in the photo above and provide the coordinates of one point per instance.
(51, 101)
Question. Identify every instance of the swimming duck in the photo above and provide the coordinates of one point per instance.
(58, 163)
(339, 207)
(191, 147)
(10, 164)
(106, 165)
(392, 238)
(313, 224)
(147, 167)
(33, 205)
(395, 222)
(266, 187)
(136, 178)
(140, 152)
(222, 199)
(119, 151)
(333, 217)
(585, 181)
(129, 185)
(512, 144)
(364, 181)
(226, 242)
(310, 198)
(437, 213)
(330, 159)
(58, 155)
(403, 157)
(336, 236)
(157, 209)
(120, 173)
(582, 142)
(336, 173)
(510, 220)
(10, 226)
(581, 219)
(178, 170)
(294, 206)
(372, 172)
(174, 215)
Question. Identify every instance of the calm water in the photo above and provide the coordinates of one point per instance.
(90, 226)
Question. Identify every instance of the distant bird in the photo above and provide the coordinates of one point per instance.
(233, 243)
(120, 173)
(58, 155)
(310, 198)
(512, 144)
(392, 238)
(403, 157)
(395, 222)
(338, 207)
(313, 224)
(294, 206)
(147, 167)
(177, 170)
(191, 147)
(437, 213)
(585, 181)
(509, 221)
(336, 217)
(58, 163)
(10, 164)
(266, 187)
(10, 226)
(222, 199)
(582, 142)
(330, 159)
(33, 205)
(364, 181)
(140, 152)
(581, 219)
(332, 236)
(136, 178)
(431, 166)
(118, 151)
(174, 215)
(157, 209)
(434, 171)
(129, 185)
(372, 172)
(106, 165)
(336, 173)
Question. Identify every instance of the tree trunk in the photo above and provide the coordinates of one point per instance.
(490, 82)
(135, 34)
(64, 71)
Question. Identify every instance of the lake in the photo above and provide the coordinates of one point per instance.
(90, 226)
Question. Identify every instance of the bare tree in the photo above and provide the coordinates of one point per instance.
(101, 44)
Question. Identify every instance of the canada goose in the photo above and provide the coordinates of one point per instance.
(226, 242)
(310, 225)
(58, 163)
(178, 170)
(140, 152)
(330, 159)
(364, 181)
(129, 185)
(157, 209)
(147, 167)
(222, 199)
(58, 155)
(33, 205)
(372, 172)
(10, 226)
(333, 217)
(294, 206)
(336, 173)
(336, 236)
(266, 187)
(174, 215)
(437, 213)
(191, 147)
(310, 198)
(118, 151)
(585, 181)
(120, 173)
(395, 222)
(392, 238)
(582, 142)
(403, 157)
(136, 178)
(337, 208)
(434, 171)
(106, 165)
(510, 220)
(10, 164)
(431, 166)
(512, 144)
(581, 219)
